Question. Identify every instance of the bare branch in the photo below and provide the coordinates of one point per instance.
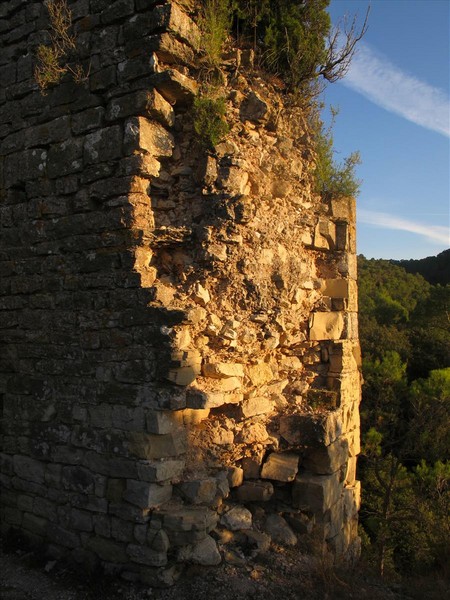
(340, 56)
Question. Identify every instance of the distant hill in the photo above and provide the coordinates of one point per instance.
(435, 269)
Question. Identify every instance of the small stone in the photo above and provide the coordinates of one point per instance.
(259, 540)
(252, 433)
(280, 531)
(237, 518)
(201, 294)
(254, 108)
(260, 373)
(206, 553)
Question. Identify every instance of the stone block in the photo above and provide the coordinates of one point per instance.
(350, 473)
(251, 465)
(117, 10)
(222, 370)
(127, 419)
(65, 158)
(168, 18)
(146, 556)
(25, 166)
(227, 384)
(254, 491)
(44, 508)
(300, 522)
(103, 145)
(121, 530)
(81, 520)
(260, 373)
(167, 48)
(142, 135)
(78, 479)
(145, 494)
(203, 553)
(352, 326)
(344, 208)
(235, 476)
(35, 524)
(257, 405)
(61, 536)
(280, 466)
(89, 119)
(193, 416)
(343, 236)
(252, 433)
(352, 500)
(108, 550)
(51, 132)
(150, 446)
(316, 493)
(335, 288)
(188, 518)
(354, 441)
(158, 540)
(325, 460)
(163, 422)
(29, 469)
(144, 103)
(199, 399)
(326, 325)
(279, 530)
(100, 415)
(183, 376)
(175, 87)
(237, 518)
(201, 491)
(311, 429)
(102, 525)
(325, 235)
(177, 22)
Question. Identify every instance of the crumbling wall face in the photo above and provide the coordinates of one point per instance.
(180, 379)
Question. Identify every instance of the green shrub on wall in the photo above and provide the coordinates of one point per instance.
(215, 23)
(210, 124)
(52, 60)
(333, 179)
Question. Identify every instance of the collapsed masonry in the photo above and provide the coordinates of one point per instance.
(180, 363)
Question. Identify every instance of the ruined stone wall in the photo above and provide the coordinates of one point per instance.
(180, 363)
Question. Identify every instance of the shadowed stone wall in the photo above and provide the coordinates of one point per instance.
(179, 327)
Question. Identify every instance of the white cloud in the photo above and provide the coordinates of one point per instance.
(376, 78)
(435, 233)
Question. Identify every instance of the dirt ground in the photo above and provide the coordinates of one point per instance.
(278, 574)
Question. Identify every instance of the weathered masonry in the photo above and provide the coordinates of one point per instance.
(179, 352)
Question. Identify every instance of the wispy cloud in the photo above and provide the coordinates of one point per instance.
(435, 233)
(375, 77)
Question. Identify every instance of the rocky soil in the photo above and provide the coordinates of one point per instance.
(279, 573)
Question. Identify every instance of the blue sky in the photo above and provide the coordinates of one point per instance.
(394, 108)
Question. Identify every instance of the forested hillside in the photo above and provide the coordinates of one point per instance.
(405, 413)
(435, 269)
